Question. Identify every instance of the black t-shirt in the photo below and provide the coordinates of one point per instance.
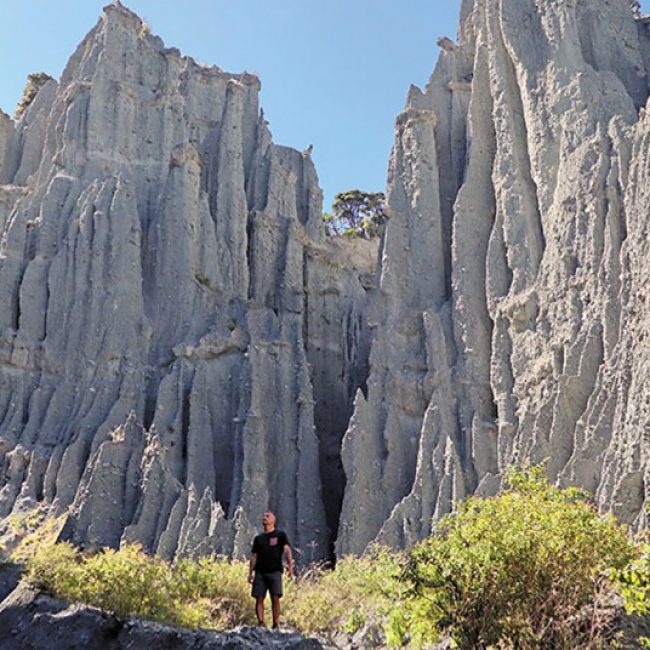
(268, 547)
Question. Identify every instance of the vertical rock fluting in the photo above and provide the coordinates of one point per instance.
(156, 253)
(180, 347)
(512, 293)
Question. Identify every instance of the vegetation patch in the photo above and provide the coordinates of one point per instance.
(35, 81)
(210, 592)
(359, 591)
(27, 531)
(526, 569)
(145, 30)
(633, 583)
(356, 214)
(203, 280)
(533, 567)
(26, 522)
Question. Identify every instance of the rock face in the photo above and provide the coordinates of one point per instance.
(180, 347)
(513, 307)
(171, 315)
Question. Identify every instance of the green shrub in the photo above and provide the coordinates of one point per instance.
(203, 280)
(35, 82)
(223, 583)
(633, 584)
(56, 568)
(207, 593)
(359, 590)
(129, 582)
(126, 581)
(517, 570)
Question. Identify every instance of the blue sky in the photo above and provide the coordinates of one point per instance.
(334, 73)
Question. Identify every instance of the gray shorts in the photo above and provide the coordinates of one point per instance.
(267, 581)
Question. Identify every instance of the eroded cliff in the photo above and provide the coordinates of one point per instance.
(171, 316)
(513, 304)
(181, 346)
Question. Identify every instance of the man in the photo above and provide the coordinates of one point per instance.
(265, 573)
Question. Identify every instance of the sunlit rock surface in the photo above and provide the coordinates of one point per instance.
(172, 319)
(182, 348)
(512, 321)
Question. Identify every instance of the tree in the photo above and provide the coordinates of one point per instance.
(356, 214)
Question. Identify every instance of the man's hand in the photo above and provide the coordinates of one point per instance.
(251, 567)
(289, 557)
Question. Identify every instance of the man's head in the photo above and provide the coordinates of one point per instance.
(268, 521)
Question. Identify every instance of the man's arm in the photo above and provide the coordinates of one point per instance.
(289, 557)
(251, 567)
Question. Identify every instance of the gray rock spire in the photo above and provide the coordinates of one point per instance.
(513, 306)
(163, 272)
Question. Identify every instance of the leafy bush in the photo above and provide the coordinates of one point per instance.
(211, 592)
(128, 581)
(633, 584)
(519, 569)
(56, 568)
(223, 583)
(358, 591)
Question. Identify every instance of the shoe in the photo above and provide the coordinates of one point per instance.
(275, 627)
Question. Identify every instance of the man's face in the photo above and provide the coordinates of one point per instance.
(268, 519)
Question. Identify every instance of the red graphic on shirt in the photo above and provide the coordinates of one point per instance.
(273, 541)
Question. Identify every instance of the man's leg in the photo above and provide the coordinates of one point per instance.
(259, 592)
(275, 589)
(259, 610)
(275, 604)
